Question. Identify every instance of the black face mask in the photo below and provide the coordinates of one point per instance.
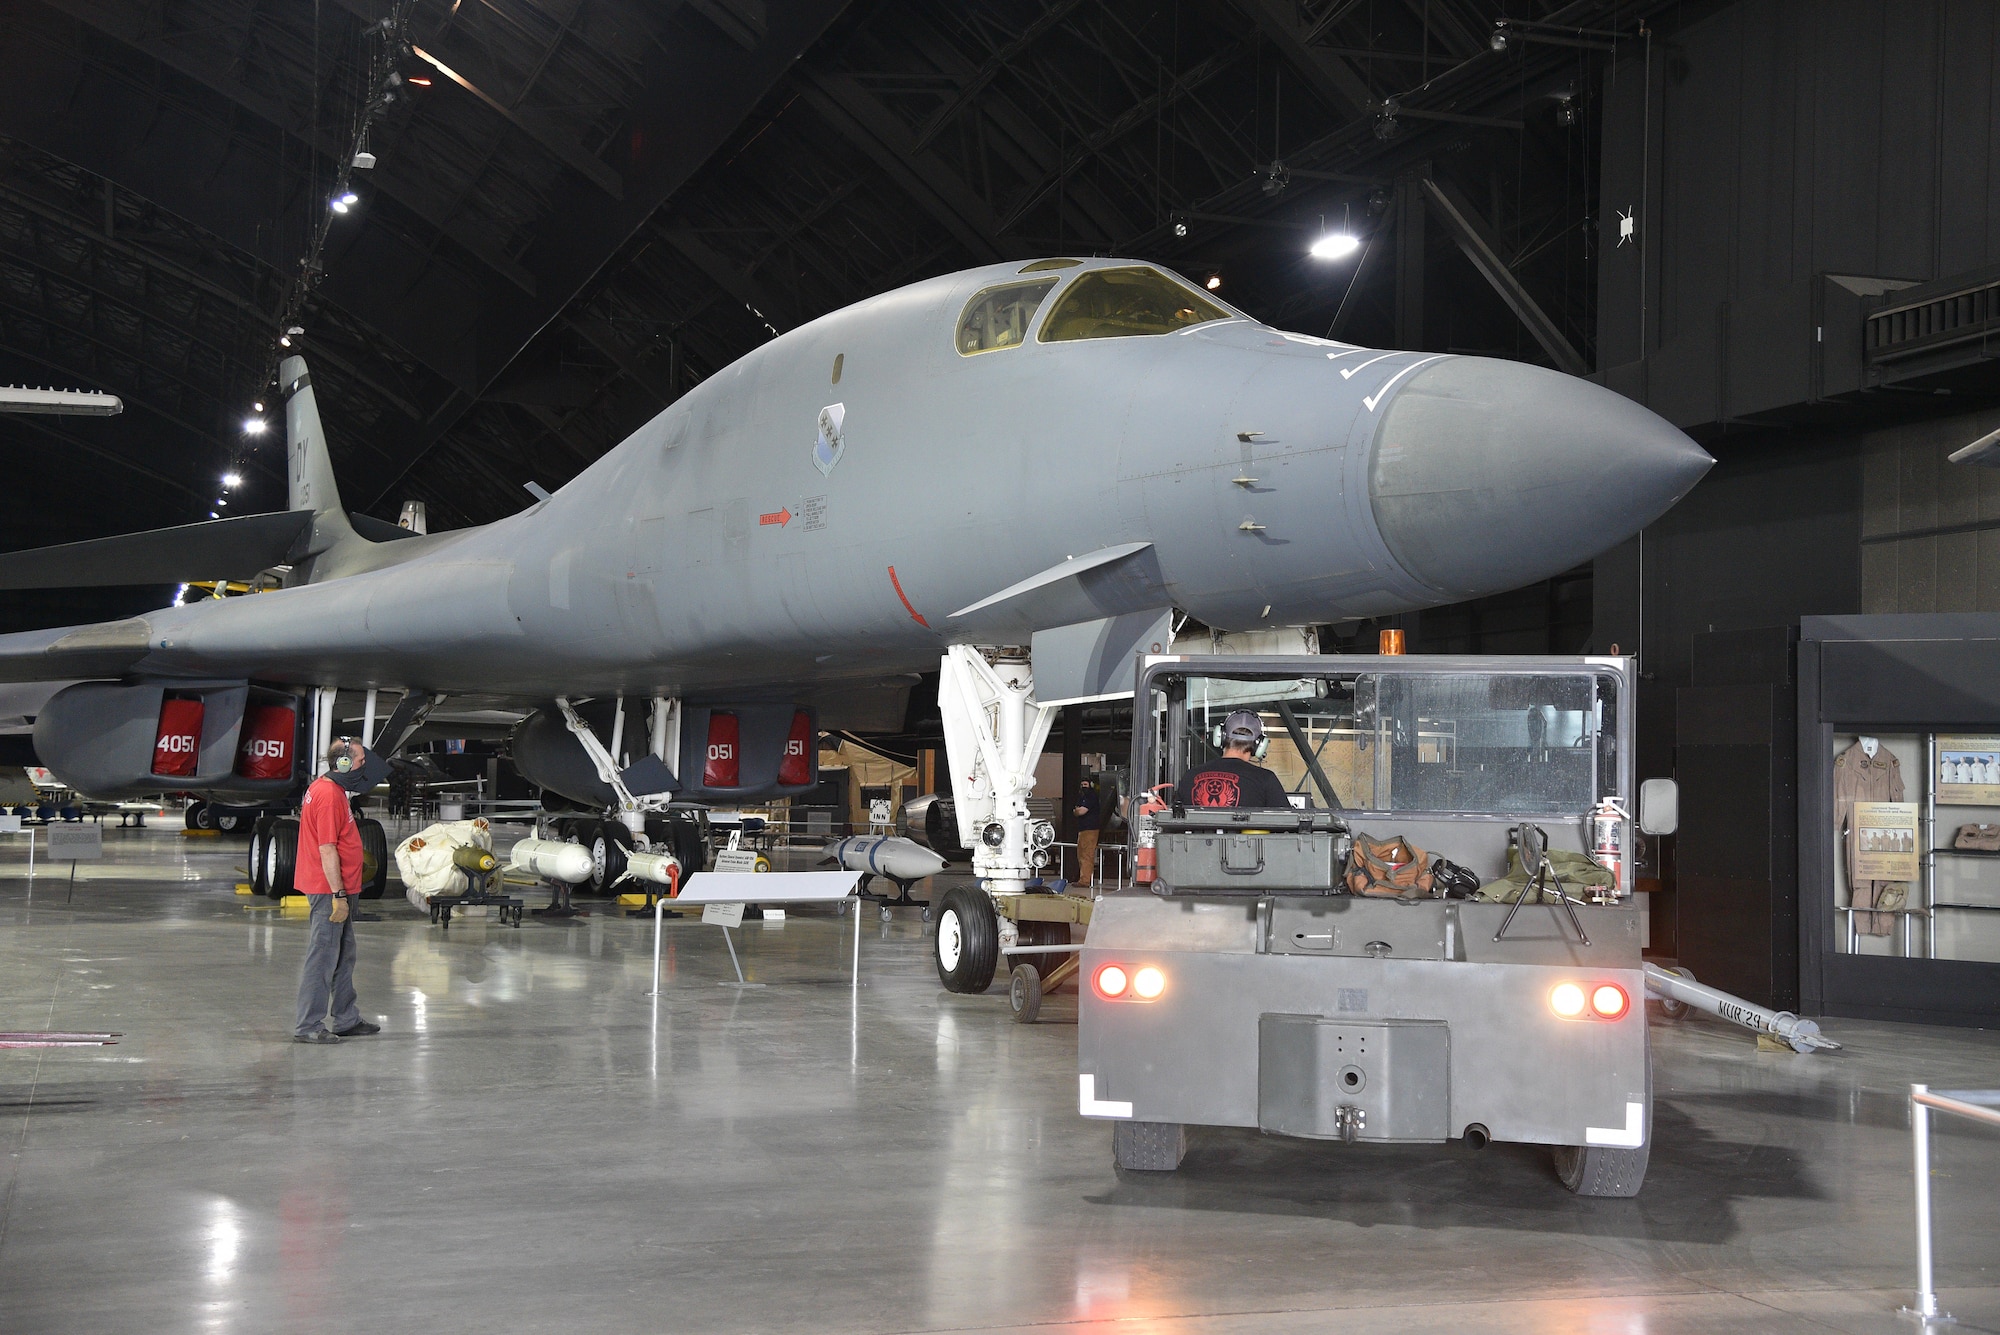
(373, 770)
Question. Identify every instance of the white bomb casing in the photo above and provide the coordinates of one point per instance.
(892, 856)
(552, 859)
(657, 868)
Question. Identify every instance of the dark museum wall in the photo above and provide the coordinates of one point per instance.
(1796, 177)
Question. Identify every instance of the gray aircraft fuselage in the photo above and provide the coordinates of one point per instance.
(1281, 479)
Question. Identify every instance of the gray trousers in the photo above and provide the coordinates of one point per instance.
(328, 978)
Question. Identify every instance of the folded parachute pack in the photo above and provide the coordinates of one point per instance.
(425, 858)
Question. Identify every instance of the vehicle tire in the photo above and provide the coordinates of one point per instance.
(1024, 993)
(1600, 1170)
(966, 946)
(260, 839)
(228, 819)
(374, 858)
(1148, 1147)
(193, 815)
(201, 817)
(1671, 1008)
(282, 858)
(610, 841)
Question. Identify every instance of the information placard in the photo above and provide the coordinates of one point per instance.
(723, 915)
(1885, 841)
(736, 859)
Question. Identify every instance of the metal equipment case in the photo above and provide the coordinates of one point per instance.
(1243, 989)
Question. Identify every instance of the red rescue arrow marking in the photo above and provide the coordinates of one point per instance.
(914, 614)
(778, 517)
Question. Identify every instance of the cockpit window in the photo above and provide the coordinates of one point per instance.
(1121, 303)
(999, 316)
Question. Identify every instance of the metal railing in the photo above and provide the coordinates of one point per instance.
(1980, 1105)
(1118, 855)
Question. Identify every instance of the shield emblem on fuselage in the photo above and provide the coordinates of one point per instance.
(826, 450)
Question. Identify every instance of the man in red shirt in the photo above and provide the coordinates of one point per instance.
(328, 871)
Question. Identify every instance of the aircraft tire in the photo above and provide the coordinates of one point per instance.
(1042, 933)
(260, 838)
(374, 858)
(1600, 1170)
(196, 812)
(966, 945)
(610, 841)
(228, 819)
(282, 858)
(688, 847)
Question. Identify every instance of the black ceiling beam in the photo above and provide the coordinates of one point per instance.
(1469, 230)
(861, 118)
(1329, 75)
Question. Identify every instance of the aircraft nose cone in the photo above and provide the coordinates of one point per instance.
(1490, 474)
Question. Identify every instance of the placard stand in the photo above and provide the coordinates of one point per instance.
(722, 896)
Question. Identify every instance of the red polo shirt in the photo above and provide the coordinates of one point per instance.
(324, 818)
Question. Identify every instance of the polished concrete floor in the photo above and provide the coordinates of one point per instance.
(535, 1144)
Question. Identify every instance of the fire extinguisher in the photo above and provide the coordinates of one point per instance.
(1607, 837)
(1145, 861)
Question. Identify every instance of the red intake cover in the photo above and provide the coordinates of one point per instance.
(725, 766)
(265, 748)
(177, 745)
(796, 768)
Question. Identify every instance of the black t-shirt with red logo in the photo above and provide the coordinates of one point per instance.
(1230, 782)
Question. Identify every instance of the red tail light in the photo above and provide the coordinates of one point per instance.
(724, 767)
(1112, 982)
(1608, 1001)
(177, 744)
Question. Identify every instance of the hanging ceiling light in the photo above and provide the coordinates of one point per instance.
(1335, 246)
(254, 426)
(232, 479)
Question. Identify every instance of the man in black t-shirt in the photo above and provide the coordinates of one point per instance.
(1235, 780)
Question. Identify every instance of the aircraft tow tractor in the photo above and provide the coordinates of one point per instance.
(1247, 985)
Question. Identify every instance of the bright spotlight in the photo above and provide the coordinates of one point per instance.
(1335, 246)
(1214, 282)
(349, 197)
(338, 206)
(257, 407)
(284, 340)
(252, 426)
(232, 480)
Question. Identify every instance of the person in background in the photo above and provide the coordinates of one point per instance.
(328, 872)
(1089, 813)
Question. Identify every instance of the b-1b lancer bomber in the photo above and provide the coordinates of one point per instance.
(1021, 472)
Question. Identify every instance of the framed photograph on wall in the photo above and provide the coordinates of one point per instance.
(1968, 771)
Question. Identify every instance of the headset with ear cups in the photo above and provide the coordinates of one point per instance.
(1258, 750)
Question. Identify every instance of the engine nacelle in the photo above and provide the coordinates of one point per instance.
(225, 740)
(728, 752)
